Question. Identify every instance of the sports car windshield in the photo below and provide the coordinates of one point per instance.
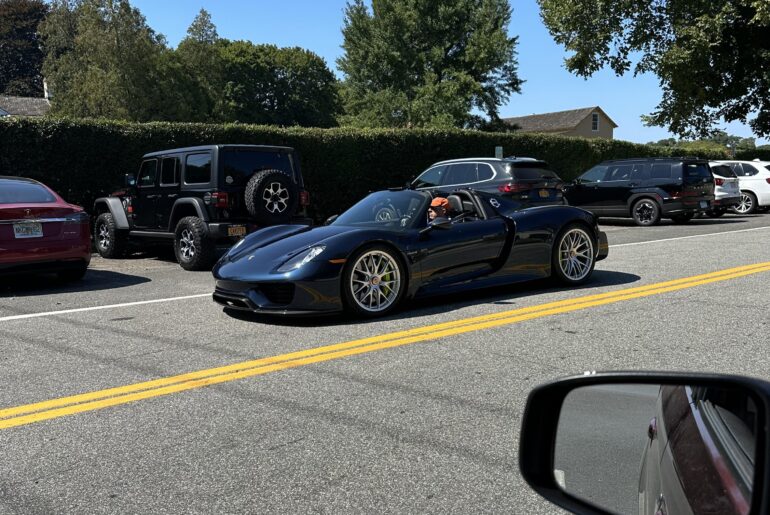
(395, 210)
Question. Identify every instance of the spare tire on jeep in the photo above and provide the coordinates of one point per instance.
(271, 197)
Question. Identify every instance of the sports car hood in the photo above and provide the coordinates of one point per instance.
(273, 246)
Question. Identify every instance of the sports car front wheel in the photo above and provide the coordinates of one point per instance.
(573, 256)
(373, 282)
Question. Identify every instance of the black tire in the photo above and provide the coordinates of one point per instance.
(683, 218)
(271, 197)
(74, 274)
(352, 275)
(110, 242)
(193, 249)
(645, 212)
(747, 205)
(577, 238)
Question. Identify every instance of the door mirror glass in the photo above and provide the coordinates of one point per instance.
(440, 223)
(697, 446)
(129, 180)
(331, 219)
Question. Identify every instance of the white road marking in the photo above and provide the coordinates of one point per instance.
(687, 237)
(96, 308)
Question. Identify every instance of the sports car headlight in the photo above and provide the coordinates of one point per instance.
(300, 259)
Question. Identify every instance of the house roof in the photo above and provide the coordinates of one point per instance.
(24, 106)
(558, 121)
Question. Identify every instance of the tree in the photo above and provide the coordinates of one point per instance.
(104, 61)
(199, 59)
(423, 63)
(280, 86)
(711, 57)
(21, 57)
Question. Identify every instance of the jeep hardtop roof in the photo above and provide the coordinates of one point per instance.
(268, 148)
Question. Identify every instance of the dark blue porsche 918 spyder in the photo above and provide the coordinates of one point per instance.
(386, 248)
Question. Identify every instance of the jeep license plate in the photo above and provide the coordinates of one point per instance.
(28, 230)
(236, 230)
(544, 194)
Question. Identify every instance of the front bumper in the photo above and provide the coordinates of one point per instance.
(280, 298)
(604, 246)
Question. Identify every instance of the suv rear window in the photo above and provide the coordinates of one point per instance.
(239, 165)
(722, 171)
(13, 192)
(696, 170)
(533, 171)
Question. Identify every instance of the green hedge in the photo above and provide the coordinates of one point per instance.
(85, 159)
(750, 155)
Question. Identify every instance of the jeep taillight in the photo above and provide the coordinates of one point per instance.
(220, 199)
(304, 198)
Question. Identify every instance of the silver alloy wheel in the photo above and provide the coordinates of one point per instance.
(376, 281)
(276, 198)
(187, 245)
(576, 254)
(104, 236)
(645, 211)
(745, 205)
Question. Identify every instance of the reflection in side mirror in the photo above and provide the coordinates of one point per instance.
(130, 180)
(696, 443)
(331, 219)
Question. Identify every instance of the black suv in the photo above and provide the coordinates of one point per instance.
(200, 197)
(645, 189)
(530, 181)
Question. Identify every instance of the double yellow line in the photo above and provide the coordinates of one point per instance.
(30, 413)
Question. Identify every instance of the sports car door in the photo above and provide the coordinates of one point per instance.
(467, 250)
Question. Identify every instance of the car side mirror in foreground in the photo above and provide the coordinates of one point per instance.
(130, 180)
(702, 439)
(331, 219)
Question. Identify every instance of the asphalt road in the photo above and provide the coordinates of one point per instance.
(427, 423)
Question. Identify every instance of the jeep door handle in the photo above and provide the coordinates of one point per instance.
(152, 196)
(174, 195)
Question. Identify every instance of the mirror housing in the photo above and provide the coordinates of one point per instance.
(540, 424)
(331, 219)
(129, 180)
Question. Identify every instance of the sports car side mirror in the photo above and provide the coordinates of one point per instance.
(703, 440)
(331, 219)
(437, 223)
(130, 180)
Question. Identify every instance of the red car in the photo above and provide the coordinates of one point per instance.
(40, 232)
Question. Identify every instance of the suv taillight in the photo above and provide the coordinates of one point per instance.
(513, 187)
(676, 194)
(304, 198)
(219, 199)
(767, 180)
(719, 182)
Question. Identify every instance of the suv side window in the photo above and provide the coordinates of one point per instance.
(147, 173)
(461, 173)
(197, 169)
(485, 172)
(749, 169)
(619, 172)
(595, 174)
(430, 177)
(661, 171)
(169, 171)
(641, 172)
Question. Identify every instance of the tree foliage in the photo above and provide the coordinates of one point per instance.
(21, 58)
(419, 63)
(711, 57)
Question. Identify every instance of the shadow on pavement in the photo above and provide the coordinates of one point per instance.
(704, 222)
(47, 284)
(498, 295)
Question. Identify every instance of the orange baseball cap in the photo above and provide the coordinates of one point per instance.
(439, 202)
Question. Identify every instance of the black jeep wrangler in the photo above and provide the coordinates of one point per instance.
(199, 198)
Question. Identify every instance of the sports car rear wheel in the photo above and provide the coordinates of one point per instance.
(573, 255)
(373, 282)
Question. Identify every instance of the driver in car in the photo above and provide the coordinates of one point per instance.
(439, 208)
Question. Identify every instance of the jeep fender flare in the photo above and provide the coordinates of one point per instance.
(184, 207)
(114, 206)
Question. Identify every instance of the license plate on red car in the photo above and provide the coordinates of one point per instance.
(236, 230)
(704, 204)
(545, 193)
(28, 230)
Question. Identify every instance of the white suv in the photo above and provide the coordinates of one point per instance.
(754, 178)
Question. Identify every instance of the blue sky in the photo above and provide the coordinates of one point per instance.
(316, 25)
